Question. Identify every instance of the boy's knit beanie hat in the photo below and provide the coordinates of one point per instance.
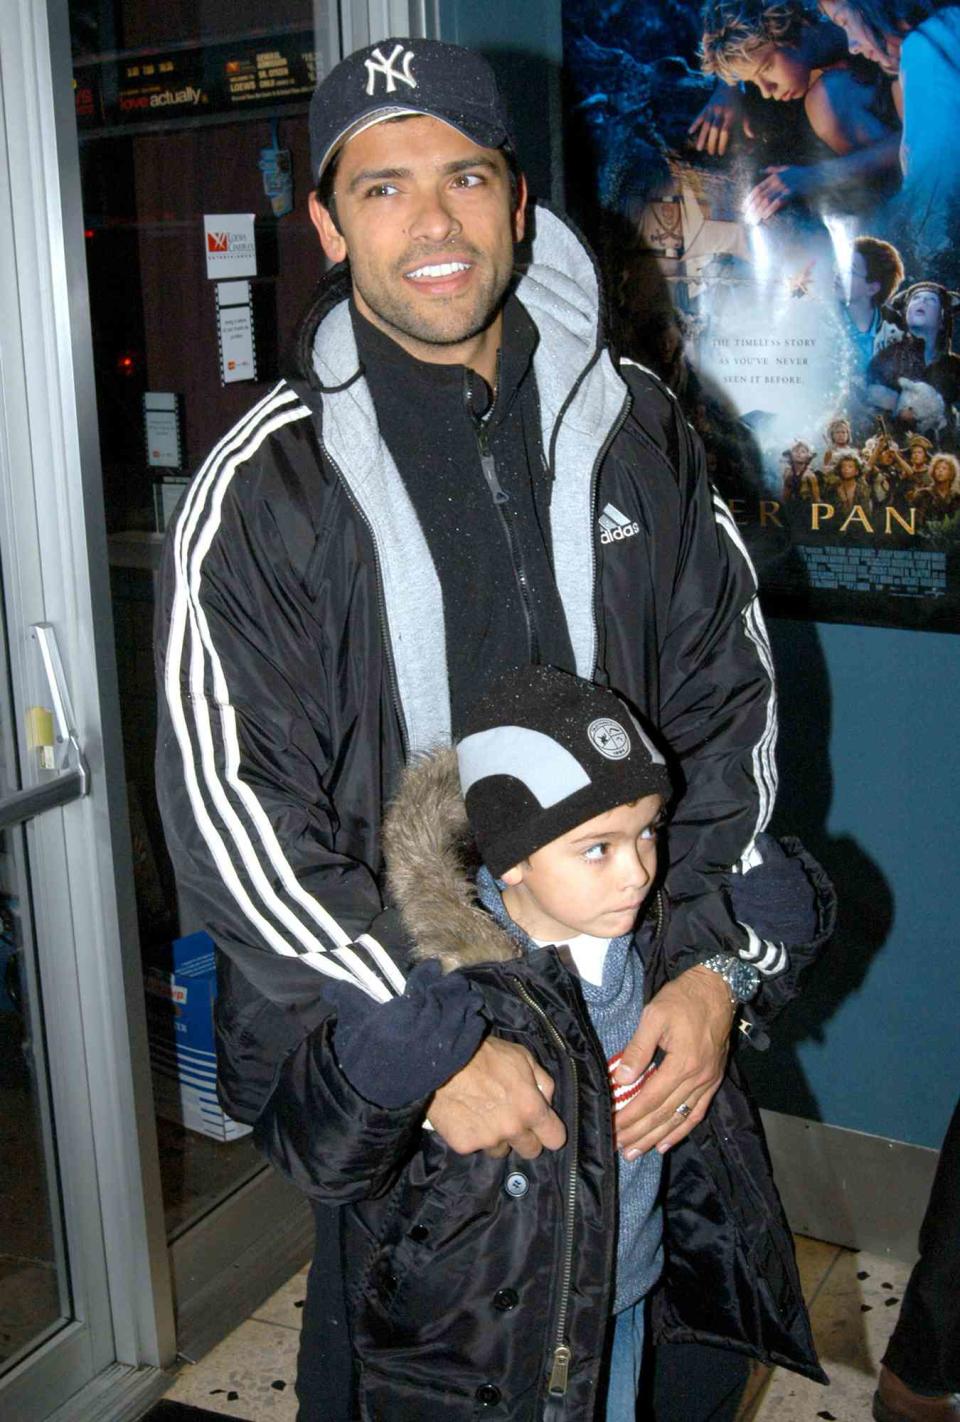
(542, 752)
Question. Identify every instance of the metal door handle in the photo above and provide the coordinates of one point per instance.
(73, 781)
(26, 804)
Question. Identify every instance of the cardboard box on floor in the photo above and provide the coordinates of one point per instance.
(180, 997)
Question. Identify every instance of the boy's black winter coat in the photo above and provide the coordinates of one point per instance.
(466, 1276)
(456, 1270)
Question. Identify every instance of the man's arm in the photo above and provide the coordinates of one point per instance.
(256, 714)
(717, 712)
(345, 1118)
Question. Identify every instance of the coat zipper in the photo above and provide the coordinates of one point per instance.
(381, 602)
(562, 1355)
(500, 497)
(612, 433)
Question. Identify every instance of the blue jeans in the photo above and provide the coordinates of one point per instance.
(626, 1356)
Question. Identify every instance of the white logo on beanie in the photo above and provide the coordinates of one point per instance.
(609, 738)
(543, 765)
(377, 64)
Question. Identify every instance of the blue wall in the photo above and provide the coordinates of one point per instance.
(870, 774)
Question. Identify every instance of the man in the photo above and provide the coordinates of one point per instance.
(920, 1371)
(460, 481)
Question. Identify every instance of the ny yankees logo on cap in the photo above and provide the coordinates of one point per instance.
(377, 64)
(451, 84)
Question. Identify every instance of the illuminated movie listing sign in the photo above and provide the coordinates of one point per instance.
(192, 82)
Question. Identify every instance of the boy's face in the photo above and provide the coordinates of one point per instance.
(923, 313)
(591, 880)
(857, 290)
(778, 71)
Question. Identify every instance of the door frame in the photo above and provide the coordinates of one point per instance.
(55, 570)
(131, 1280)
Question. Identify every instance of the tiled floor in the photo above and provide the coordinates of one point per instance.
(853, 1299)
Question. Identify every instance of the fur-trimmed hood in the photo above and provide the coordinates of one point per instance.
(431, 861)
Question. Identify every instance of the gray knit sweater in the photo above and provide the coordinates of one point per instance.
(614, 1007)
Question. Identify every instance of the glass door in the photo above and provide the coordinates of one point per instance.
(192, 131)
(36, 1299)
(114, 1219)
(193, 144)
(84, 1287)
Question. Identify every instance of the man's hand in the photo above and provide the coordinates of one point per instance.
(714, 123)
(498, 1102)
(690, 1020)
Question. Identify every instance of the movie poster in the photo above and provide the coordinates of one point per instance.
(776, 203)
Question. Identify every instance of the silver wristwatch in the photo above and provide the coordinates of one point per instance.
(742, 979)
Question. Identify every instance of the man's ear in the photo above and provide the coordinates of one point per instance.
(513, 876)
(331, 239)
(520, 210)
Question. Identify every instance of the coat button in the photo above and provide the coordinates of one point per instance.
(516, 1184)
(419, 1233)
(387, 1280)
(487, 1395)
(506, 1299)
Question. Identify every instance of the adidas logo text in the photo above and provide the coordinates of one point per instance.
(615, 526)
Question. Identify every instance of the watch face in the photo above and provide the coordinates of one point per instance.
(744, 979)
(741, 978)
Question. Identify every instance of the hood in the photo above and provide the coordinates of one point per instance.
(582, 402)
(430, 857)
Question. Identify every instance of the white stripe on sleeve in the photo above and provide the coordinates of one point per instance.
(764, 762)
(275, 920)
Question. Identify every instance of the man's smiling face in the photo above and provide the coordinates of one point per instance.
(428, 220)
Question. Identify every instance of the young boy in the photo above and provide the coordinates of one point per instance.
(565, 808)
(509, 1286)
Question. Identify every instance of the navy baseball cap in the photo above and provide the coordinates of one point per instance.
(407, 76)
